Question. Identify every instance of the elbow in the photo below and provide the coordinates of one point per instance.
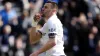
(53, 43)
(30, 41)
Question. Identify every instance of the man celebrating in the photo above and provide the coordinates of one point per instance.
(52, 32)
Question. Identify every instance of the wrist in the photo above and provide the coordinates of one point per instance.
(34, 23)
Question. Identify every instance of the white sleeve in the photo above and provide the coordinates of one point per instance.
(41, 31)
(52, 29)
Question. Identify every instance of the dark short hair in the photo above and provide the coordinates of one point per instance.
(54, 4)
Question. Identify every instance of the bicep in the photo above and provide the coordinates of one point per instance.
(52, 30)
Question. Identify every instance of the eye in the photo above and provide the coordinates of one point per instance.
(45, 7)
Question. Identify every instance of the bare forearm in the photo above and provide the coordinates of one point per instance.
(33, 36)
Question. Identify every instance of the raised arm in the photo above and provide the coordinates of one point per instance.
(34, 34)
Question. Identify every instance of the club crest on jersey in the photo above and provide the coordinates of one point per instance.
(52, 30)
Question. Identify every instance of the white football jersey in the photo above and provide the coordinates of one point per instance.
(53, 25)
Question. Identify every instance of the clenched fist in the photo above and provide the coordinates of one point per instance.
(37, 17)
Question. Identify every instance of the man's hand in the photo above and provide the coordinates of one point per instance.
(37, 17)
(34, 54)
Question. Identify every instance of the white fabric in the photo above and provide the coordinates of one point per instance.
(53, 25)
(34, 24)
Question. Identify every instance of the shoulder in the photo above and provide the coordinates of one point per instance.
(54, 20)
(51, 22)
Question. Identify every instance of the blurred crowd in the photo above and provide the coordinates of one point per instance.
(80, 19)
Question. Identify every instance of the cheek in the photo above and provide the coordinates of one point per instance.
(46, 11)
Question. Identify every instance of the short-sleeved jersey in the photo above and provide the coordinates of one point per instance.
(53, 27)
